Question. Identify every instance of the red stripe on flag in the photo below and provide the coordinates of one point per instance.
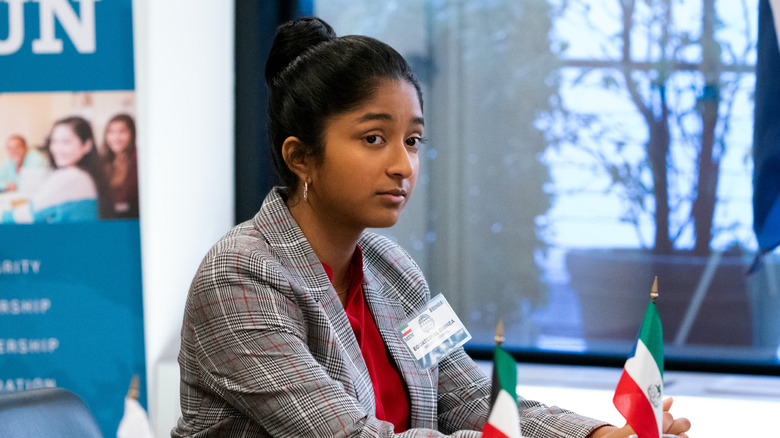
(406, 332)
(631, 401)
(490, 431)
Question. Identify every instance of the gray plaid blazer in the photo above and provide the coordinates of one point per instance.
(267, 350)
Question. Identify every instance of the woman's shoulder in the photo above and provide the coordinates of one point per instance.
(256, 235)
(242, 241)
(76, 179)
(388, 259)
(377, 247)
(378, 242)
(237, 256)
(266, 241)
(64, 185)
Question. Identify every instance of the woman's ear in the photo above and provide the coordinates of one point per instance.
(294, 154)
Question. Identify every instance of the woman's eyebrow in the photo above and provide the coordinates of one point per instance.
(367, 117)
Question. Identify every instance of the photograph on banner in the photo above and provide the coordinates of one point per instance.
(68, 157)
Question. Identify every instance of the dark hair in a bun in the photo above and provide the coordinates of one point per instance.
(313, 75)
(292, 39)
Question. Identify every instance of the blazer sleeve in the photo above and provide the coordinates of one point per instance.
(246, 333)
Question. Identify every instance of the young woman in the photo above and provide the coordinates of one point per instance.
(121, 165)
(75, 190)
(290, 323)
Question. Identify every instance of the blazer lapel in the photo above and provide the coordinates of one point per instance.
(359, 381)
(388, 314)
(305, 272)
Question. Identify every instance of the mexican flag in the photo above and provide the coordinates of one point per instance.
(639, 393)
(504, 421)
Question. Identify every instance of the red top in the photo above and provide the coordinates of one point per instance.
(392, 402)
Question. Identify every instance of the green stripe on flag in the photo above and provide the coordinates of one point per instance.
(651, 334)
(504, 373)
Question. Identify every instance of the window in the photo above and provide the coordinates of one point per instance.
(577, 150)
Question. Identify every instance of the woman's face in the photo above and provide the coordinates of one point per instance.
(118, 136)
(370, 160)
(66, 147)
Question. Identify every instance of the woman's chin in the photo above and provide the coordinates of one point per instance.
(385, 222)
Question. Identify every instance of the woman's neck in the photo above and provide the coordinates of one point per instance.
(122, 155)
(333, 242)
(119, 169)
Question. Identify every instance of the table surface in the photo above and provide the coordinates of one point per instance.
(718, 405)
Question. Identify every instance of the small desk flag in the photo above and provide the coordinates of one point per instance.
(639, 393)
(135, 422)
(504, 421)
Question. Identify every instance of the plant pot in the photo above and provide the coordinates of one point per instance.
(614, 289)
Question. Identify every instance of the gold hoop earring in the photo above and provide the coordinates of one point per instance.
(305, 191)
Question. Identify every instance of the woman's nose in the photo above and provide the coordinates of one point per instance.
(403, 162)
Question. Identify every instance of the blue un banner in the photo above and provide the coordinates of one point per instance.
(71, 311)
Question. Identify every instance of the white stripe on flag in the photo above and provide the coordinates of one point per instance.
(642, 367)
(774, 5)
(644, 371)
(504, 416)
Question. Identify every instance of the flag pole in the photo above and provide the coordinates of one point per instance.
(654, 290)
(504, 419)
(135, 421)
(134, 389)
(499, 332)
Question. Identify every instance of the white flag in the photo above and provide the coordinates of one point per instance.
(135, 422)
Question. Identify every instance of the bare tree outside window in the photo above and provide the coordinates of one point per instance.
(669, 146)
(687, 75)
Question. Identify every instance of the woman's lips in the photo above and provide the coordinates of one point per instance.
(394, 195)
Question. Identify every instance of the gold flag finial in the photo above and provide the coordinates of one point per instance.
(134, 387)
(654, 289)
(500, 332)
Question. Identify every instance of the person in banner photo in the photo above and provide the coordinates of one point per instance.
(121, 165)
(291, 325)
(76, 189)
(21, 159)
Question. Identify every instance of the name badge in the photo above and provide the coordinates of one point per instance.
(433, 333)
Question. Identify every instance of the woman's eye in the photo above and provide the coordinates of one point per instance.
(373, 139)
(414, 142)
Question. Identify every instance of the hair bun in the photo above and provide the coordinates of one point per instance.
(292, 39)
